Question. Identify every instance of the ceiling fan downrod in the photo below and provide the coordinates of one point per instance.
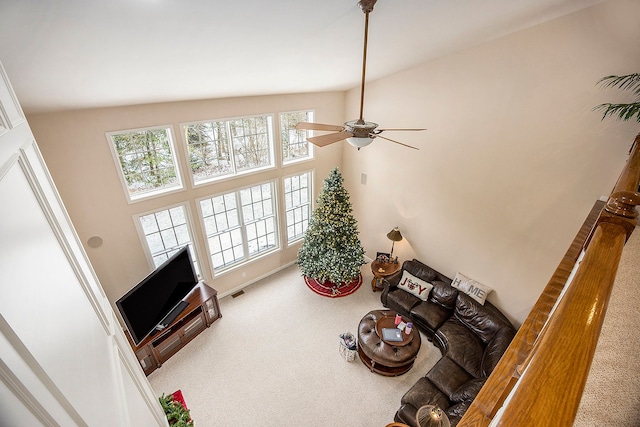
(367, 7)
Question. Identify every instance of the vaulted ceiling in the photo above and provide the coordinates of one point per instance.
(68, 54)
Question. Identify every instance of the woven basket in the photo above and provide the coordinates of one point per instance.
(348, 353)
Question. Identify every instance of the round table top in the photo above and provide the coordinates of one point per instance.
(383, 269)
(388, 321)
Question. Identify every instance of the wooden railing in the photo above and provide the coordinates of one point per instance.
(544, 370)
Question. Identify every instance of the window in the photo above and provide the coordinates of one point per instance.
(146, 160)
(165, 232)
(240, 225)
(297, 200)
(294, 142)
(229, 147)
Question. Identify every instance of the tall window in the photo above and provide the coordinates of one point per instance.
(228, 147)
(297, 200)
(294, 142)
(240, 225)
(165, 231)
(146, 160)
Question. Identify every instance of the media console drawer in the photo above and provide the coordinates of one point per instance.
(202, 310)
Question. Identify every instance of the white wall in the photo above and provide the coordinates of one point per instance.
(76, 149)
(511, 163)
(63, 358)
(513, 158)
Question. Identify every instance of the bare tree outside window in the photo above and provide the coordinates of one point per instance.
(294, 142)
(222, 148)
(147, 161)
(208, 150)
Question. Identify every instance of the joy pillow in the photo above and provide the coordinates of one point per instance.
(415, 286)
(474, 289)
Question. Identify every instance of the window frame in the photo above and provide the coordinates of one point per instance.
(189, 223)
(235, 173)
(306, 133)
(242, 225)
(133, 198)
(310, 179)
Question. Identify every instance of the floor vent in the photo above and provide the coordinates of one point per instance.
(237, 294)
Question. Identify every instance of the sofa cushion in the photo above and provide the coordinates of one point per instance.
(448, 376)
(473, 288)
(415, 286)
(495, 349)
(444, 294)
(484, 320)
(469, 390)
(420, 270)
(430, 314)
(462, 346)
(456, 412)
(424, 392)
(401, 301)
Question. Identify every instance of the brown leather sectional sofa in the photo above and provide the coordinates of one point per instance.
(471, 337)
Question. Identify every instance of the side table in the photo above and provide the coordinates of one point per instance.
(381, 270)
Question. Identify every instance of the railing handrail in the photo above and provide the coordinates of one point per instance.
(554, 347)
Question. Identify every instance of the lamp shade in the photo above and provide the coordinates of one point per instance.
(431, 416)
(394, 235)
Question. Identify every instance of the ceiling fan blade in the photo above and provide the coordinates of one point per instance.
(397, 142)
(318, 126)
(330, 138)
(398, 129)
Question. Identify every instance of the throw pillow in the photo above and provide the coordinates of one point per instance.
(415, 286)
(473, 288)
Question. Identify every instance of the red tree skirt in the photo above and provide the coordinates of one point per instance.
(177, 396)
(332, 290)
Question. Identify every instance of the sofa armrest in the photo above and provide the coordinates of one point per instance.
(469, 390)
(393, 279)
(389, 283)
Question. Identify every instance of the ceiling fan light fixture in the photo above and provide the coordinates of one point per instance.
(359, 142)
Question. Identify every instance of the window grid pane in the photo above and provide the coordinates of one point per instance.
(251, 142)
(237, 233)
(146, 161)
(165, 232)
(257, 206)
(297, 205)
(220, 215)
(208, 147)
(294, 142)
(223, 148)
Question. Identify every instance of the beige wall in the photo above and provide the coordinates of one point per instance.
(77, 153)
(513, 158)
(512, 162)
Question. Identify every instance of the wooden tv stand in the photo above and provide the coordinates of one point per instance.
(203, 309)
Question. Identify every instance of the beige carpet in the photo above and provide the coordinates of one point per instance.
(612, 392)
(273, 360)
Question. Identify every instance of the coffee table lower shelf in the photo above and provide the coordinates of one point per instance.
(388, 371)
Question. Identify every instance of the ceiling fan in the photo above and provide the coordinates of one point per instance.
(358, 133)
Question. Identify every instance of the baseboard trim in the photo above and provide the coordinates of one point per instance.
(251, 282)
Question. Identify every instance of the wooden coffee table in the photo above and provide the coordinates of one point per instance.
(386, 357)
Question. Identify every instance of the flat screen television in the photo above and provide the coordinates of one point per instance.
(157, 300)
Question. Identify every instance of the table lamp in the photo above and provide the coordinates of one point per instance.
(432, 416)
(395, 236)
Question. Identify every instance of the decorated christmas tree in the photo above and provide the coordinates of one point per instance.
(332, 250)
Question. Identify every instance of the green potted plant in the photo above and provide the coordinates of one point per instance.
(622, 111)
(177, 414)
